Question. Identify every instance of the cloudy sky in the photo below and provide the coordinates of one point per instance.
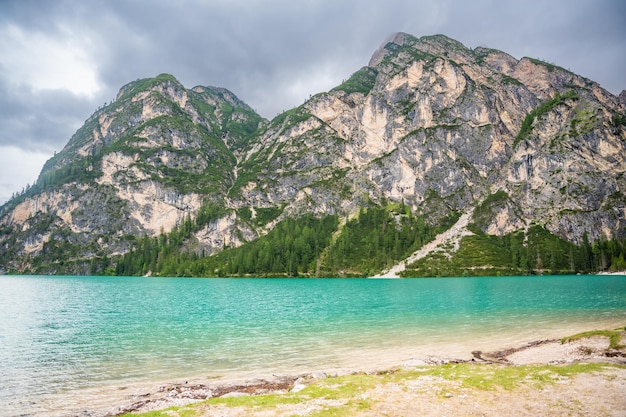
(61, 59)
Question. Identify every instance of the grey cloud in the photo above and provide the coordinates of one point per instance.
(237, 46)
(274, 53)
(40, 120)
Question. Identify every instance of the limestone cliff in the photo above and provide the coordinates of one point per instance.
(428, 122)
(430, 118)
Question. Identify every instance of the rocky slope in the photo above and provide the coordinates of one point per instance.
(431, 118)
(138, 166)
(428, 123)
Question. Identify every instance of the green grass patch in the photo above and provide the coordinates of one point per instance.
(267, 401)
(615, 337)
(342, 387)
(495, 377)
(185, 411)
(341, 391)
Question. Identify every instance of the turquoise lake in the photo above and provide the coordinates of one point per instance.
(64, 336)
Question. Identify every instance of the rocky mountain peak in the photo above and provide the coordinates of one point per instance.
(160, 82)
(395, 40)
(440, 45)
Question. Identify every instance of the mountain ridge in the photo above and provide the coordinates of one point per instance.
(429, 123)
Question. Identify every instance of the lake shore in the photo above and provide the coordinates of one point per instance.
(97, 346)
(394, 391)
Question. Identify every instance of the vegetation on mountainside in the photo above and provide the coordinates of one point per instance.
(406, 50)
(81, 171)
(618, 120)
(145, 84)
(361, 81)
(550, 66)
(485, 212)
(533, 252)
(290, 118)
(374, 240)
(377, 238)
(289, 249)
(198, 156)
(538, 112)
(238, 123)
(259, 216)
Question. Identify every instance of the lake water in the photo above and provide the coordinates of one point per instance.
(64, 338)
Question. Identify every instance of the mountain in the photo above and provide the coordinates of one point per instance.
(525, 157)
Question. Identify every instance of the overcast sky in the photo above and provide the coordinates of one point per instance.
(61, 59)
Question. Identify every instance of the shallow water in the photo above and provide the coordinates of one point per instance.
(61, 337)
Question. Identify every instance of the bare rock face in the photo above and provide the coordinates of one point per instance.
(429, 122)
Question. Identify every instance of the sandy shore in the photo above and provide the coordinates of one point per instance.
(415, 388)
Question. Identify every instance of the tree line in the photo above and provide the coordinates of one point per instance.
(532, 252)
(376, 238)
